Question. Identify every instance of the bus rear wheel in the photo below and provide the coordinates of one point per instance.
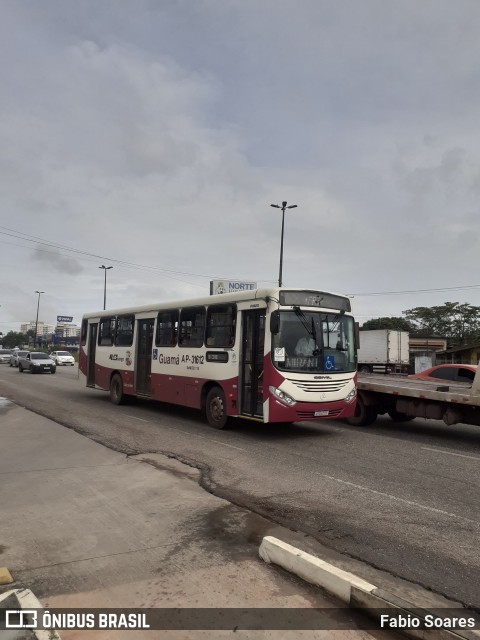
(116, 389)
(215, 408)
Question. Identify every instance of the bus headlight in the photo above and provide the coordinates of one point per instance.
(282, 396)
(352, 395)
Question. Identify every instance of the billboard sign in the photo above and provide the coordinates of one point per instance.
(230, 286)
(64, 318)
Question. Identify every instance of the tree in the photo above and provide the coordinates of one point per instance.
(14, 339)
(459, 323)
(395, 323)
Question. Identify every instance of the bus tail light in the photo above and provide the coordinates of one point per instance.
(282, 396)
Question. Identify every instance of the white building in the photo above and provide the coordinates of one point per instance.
(67, 330)
(43, 329)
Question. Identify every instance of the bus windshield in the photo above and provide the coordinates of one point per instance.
(311, 341)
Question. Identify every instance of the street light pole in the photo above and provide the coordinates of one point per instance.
(283, 207)
(105, 286)
(36, 321)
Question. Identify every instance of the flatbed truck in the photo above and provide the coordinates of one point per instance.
(404, 398)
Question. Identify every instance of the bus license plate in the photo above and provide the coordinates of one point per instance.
(321, 413)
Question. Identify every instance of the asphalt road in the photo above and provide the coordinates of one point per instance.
(402, 497)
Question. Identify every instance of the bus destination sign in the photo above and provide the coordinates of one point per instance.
(314, 299)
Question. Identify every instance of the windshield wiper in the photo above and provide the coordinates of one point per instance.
(303, 320)
(316, 351)
(309, 328)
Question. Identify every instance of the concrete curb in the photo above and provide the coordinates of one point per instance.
(18, 599)
(5, 576)
(352, 590)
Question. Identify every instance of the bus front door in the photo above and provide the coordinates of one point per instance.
(92, 345)
(143, 367)
(251, 386)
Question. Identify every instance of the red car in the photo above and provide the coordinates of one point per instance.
(448, 373)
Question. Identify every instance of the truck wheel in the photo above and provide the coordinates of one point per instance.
(116, 389)
(365, 368)
(397, 416)
(365, 415)
(215, 408)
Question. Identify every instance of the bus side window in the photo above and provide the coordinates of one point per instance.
(221, 325)
(106, 332)
(124, 331)
(83, 339)
(167, 328)
(192, 327)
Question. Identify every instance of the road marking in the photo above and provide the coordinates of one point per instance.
(389, 495)
(232, 446)
(188, 433)
(450, 453)
(197, 435)
(83, 466)
(135, 418)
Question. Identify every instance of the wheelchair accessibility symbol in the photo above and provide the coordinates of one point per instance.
(329, 363)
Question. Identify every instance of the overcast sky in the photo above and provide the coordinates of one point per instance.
(153, 136)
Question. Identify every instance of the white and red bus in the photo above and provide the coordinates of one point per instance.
(271, 355)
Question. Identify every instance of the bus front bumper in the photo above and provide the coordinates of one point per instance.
(280, 412)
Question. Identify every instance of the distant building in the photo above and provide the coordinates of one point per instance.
(43, 329)
(67, 330)
(424, 352)
(468, 354)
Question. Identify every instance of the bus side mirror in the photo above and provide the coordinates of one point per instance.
(357, 334)
(274, 322)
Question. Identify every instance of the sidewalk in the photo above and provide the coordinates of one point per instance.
(84, 526)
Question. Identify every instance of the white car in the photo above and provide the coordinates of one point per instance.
(62, 358)
(5, 355)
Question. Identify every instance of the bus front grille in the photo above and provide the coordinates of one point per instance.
(308, 415)
(317, 386)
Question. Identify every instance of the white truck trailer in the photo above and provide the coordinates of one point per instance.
(383, 351)
(404, 398)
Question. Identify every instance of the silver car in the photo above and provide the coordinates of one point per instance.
(37, 362)
(15, 357)
(5, 355)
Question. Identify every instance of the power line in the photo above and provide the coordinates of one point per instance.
(36, 239)
(20, 235)
(392, 293)
(94, 260)
(134, 265)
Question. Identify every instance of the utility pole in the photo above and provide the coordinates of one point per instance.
(283, 207)
(105, 286)
(36, 321)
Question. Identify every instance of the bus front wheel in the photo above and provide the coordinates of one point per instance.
(215, 408)
(365, 415)
(116, 389)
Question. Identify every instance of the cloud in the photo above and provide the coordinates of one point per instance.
(64, 264)
(159, 135)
